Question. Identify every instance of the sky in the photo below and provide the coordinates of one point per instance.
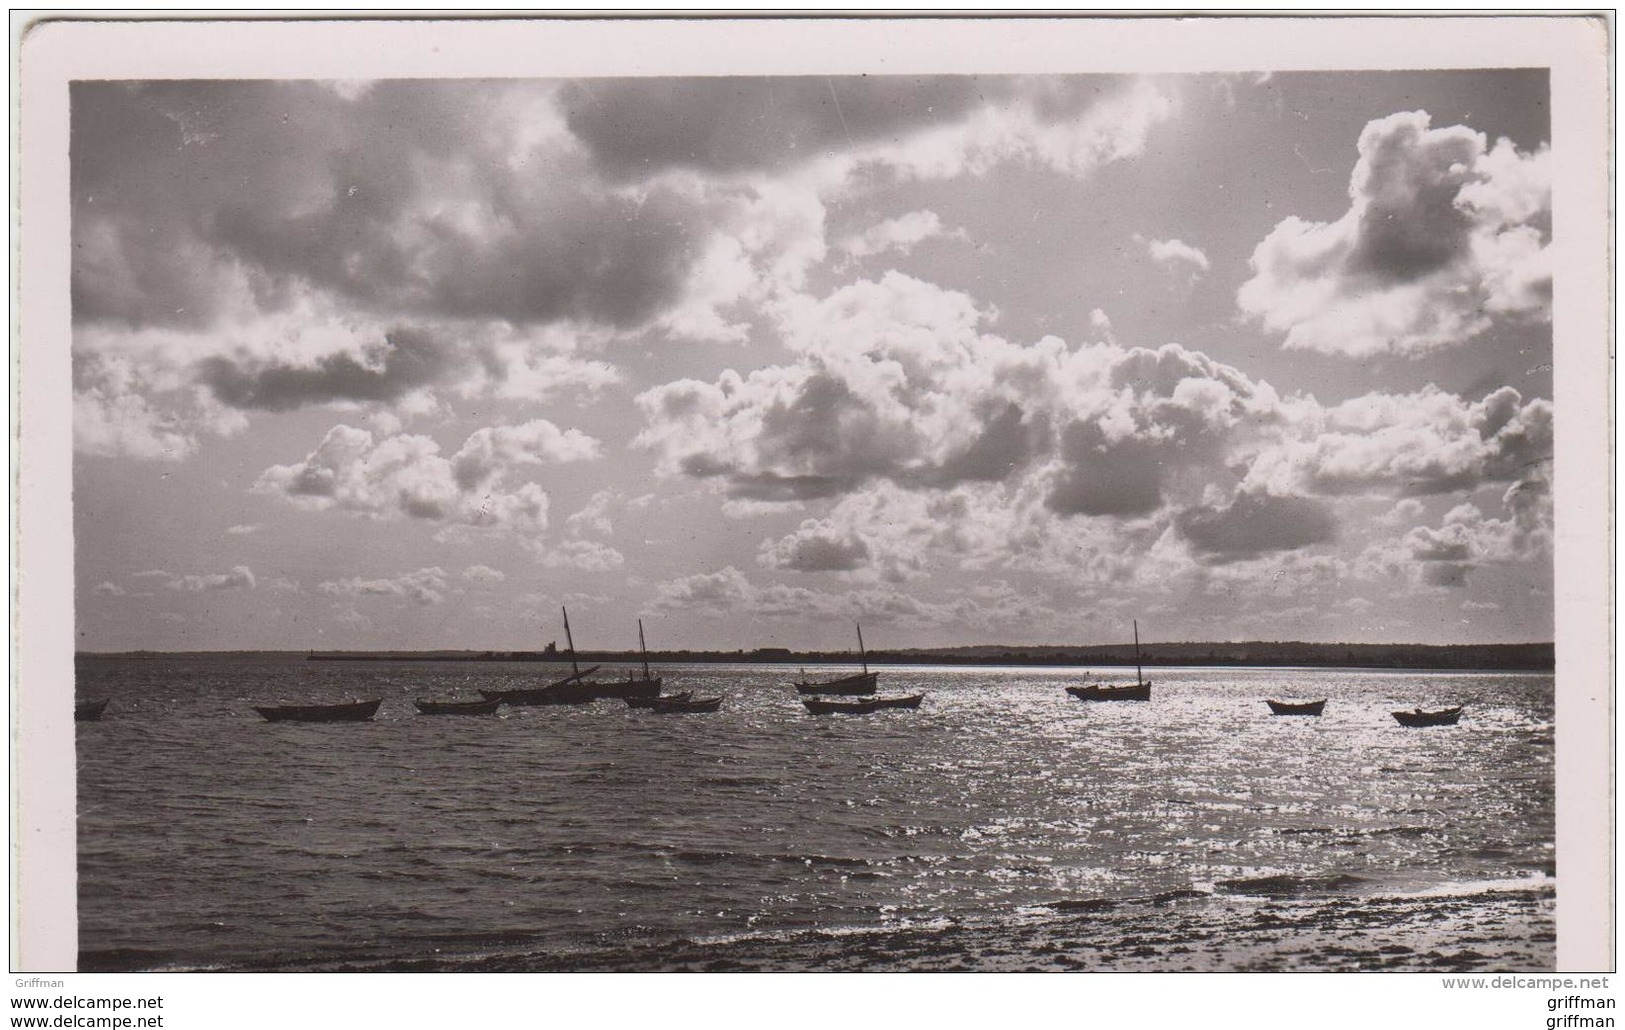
(969, 359)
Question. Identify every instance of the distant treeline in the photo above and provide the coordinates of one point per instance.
(1538, 657)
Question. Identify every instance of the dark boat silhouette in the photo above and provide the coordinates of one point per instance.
(1297, 707)
(675, 706)
(576, 689)
(634, 687)
(560, 692)
(486, 707)
(89, 711)
(1418, 718)
(1139, 690)
(649, 702)
(818, 706)
(353, 711)
(854, 685)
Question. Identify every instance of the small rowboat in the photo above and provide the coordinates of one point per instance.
(862, 707)
(89, 711)
(649, 702)
(354, 711)
(1418, 717)
(673, 706)
(485, 707)
(860, 683)
(1297, 707)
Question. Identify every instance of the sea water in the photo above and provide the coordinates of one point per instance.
(210, 838)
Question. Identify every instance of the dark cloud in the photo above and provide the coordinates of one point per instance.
(638, 126)
(825, 428)
(405, 361)
(576, 254)
(1445, 574)
(1254, 524)
(1009, 441)
(410, 197)
(1103, 477)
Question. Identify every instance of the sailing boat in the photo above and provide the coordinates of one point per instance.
(632, 686)
(567, 691)
(1139, 690)
(577, 689)
(860, 683)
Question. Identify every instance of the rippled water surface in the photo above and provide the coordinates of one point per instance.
(209, 837)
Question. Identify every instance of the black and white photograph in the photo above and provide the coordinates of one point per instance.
(1051, 518)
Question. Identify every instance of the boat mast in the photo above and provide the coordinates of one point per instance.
(568, 639)
(862, 656)
(644, 648)
(1139, 676)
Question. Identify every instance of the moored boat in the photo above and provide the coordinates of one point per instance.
(89, 711)
(351, 711)
(1139, 690)
(855, 685)
(563, 691)
(1418, 717)
(863, 706)
(1297, 707)
(1126, 692)
(674, 706)
(646, 686)
(485, 707)
(649, 702)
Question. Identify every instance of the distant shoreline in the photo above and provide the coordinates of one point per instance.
(1535, 657)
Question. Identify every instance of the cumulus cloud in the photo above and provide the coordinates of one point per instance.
(293, 244)
(109, 589)
(1427, 442)
(239, 578)
(580, 554)
(1445, 235)
(484, 574)
(902, 233)
(406, 475)
(147, 394)
(425, 586)
(816, 547)
(1177, 255)
(897, 382)
(927, 439)
(135, 400)
(597, 516)
(1467, 539)
(730, 593)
